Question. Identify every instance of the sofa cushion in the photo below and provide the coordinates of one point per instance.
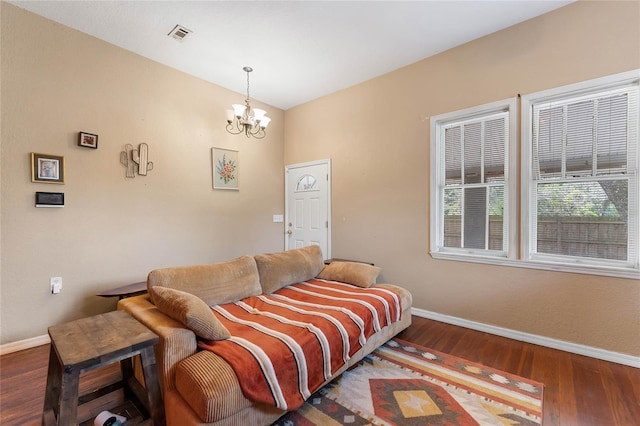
(360, 274)
(190, 310)
(215, 283)
(278, 270)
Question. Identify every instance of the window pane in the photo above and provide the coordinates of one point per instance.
(612, 134)
(475, 218)
(495, 140)
(549, 141)
(496, 218)
(453, 155)
(452, 218)
(584, 219)
(580, 138)
(472, 152)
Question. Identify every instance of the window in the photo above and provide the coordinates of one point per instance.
(577, 203)
(580, 175)
(471, 190)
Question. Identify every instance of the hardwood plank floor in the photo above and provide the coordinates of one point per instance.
(578, 390)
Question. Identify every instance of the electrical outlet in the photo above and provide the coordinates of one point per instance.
(56, 285)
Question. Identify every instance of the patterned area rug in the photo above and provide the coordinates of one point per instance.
(404, 384)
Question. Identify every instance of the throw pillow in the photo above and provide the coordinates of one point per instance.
(190, 310)
(360, 274)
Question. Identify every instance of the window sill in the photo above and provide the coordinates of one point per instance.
(548, 266)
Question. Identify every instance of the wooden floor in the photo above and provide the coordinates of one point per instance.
(578, 390)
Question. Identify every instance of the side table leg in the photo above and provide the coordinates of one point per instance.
(126, 368)
(69, 398)
(52, 391)
(156, 406)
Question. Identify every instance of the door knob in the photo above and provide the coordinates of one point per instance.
(289, 232)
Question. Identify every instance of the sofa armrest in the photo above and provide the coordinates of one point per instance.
(176, 342)
(406, 298)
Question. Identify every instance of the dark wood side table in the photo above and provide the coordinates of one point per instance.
(126, 290)
(88, 343)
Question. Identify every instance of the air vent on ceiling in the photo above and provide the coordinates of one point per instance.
(179, 32)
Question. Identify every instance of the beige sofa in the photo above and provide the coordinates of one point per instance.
(199, 387)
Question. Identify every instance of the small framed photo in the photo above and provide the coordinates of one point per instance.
(88, 140)
(225, 168)
(47, 168)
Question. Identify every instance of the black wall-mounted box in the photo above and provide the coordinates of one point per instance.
(49, 199)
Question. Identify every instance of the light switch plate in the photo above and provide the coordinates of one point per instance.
(56, 284)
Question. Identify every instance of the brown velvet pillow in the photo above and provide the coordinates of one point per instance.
(278, 270)
(190, 310)
(360, 274)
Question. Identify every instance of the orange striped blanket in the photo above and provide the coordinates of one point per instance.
(285, 345)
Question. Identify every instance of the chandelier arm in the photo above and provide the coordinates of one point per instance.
(231, 129)
(258, 133)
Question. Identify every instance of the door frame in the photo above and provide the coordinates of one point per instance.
(326, 162)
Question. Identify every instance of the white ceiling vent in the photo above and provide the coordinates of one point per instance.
(179, 32)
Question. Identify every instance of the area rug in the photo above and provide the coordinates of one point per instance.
(404, 384)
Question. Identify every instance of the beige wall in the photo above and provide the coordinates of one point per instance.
(377, 135)
(55, 82)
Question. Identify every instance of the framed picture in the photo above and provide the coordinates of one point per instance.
(47, 168)
(88, 140)
(225, 168)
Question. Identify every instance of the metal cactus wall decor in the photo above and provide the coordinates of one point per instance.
(136, 160)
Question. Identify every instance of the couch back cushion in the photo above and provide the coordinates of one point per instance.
(215, 283)
(278, 270)
(356, 273)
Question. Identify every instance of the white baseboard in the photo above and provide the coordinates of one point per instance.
(562, 345)
(20, 345)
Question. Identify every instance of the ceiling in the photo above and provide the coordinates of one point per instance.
(299, 50)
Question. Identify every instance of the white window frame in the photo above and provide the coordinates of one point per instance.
(518, 205)
(438, 126)
(630, 269)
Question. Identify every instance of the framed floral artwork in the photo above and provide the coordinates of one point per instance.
(225, 168)
(47, 168)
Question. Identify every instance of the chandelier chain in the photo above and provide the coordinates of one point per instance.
(248, 97)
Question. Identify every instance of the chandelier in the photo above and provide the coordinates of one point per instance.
(245, 119)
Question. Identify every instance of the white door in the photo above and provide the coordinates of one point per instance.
(308, 205)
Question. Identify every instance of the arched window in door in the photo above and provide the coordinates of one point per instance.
(306, 183)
